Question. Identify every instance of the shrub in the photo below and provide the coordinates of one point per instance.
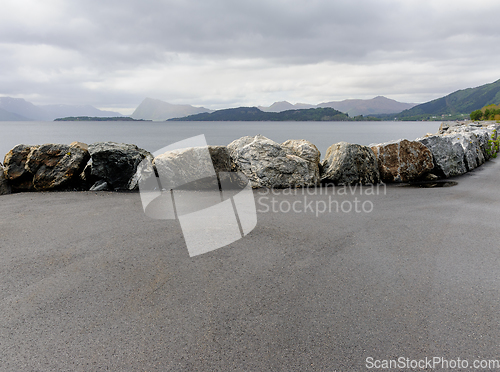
(493, 145)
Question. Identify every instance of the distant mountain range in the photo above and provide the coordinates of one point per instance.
(18, 109)
(154, 109)
(455, 105)
(353, 107)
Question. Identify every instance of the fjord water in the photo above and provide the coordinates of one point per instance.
(155, 135)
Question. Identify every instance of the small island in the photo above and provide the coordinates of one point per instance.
(94, 118)
(255, 114)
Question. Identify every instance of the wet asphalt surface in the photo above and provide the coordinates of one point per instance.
(89, 283)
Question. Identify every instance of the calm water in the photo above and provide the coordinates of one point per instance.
(155, 135)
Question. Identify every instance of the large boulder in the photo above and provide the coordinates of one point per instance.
(193, 168)
(473, 154)
(268, 164)
(55, 166)
(4, 183)
(305, 150)
(15, 170)
(45, 167)
(116, 163)
(463, 133)
(403, 160)
(347, 163)
(448, 155)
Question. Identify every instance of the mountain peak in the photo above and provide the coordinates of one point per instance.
(155, 109)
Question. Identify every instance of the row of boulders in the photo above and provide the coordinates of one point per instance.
(458, 149)
(455, 150)
(100, 166)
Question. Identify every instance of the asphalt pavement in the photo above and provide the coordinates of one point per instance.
(88, 282)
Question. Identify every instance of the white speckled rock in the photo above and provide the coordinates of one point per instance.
(448, 155)
(304, 149)
(15, 171)
(55, 166)
(483, 136)
(473, 154)
(269, 164)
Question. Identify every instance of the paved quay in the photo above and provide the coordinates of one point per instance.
(89, 283)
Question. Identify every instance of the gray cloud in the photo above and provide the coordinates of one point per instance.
(97, 49)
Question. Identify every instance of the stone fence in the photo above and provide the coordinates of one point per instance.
(456, 149)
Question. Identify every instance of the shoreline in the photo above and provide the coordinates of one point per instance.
(457, 148)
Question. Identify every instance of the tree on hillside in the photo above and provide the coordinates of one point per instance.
(490, 112)
(476, 115)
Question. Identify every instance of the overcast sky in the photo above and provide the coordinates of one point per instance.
(228, 53)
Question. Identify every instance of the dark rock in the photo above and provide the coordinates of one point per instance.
(4, 183)
(346, 164)
(15, 171)
(55, 166)
(87, 180)
(403, 160)
(116, 163)
(220, 158)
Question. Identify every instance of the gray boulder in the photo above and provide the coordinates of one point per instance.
(304, 149)
(116, 163)
(403, 160)
(473, 154)
(192, 168)
(346, 164)
(448, 155)
(4, 183)
(483, 133)
(268, 164)
(55, 166)
(483, 136)
(15, 170)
